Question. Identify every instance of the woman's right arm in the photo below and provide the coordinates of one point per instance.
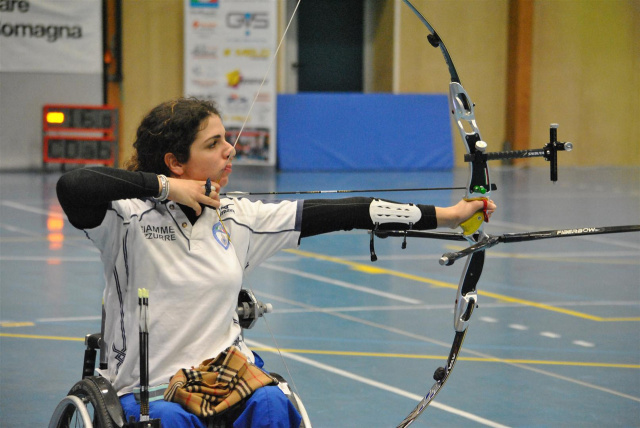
(85, 193)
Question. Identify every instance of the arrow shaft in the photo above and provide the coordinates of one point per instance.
(314, 192)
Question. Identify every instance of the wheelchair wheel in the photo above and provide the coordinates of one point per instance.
(84, 406)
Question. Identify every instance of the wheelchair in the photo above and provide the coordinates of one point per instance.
(92, 401)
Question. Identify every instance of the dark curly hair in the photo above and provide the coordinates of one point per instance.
(170, 127)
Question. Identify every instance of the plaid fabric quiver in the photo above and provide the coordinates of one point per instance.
(217, 384)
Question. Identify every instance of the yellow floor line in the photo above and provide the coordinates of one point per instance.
(17, 324)
(378, 271)
(376, 354)
(592, 260)
(37, 336)
(443, 358)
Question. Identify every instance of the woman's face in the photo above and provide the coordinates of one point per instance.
(210, 155)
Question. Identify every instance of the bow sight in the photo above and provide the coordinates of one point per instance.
(549, 152)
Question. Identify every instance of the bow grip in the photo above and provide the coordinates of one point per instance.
(473, 223)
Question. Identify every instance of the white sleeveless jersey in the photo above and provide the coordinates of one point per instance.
(193, 273)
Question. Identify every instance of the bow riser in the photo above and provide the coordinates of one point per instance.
(467, 297)
(462, 109)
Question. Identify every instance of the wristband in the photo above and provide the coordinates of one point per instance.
(164, 193)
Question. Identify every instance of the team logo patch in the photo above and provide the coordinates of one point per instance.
(221, 235)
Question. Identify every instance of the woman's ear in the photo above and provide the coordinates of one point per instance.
(173, 164)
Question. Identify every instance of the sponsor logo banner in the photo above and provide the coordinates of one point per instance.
(228, 48)
(51, 36)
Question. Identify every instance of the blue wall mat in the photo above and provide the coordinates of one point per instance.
(360, 132)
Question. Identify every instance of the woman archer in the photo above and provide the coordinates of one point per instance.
(162, 225)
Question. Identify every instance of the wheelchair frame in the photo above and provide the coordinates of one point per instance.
(97, 394)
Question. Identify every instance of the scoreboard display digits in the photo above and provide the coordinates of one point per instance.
(79, 134)
(80, 118)
(79, 149)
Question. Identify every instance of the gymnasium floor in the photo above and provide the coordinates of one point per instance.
(554, 343)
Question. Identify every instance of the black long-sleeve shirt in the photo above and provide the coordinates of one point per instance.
(85, 194)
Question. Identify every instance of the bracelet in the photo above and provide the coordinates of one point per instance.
(164, 193)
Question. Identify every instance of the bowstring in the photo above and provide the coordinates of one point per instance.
(273, 58)
(275, 54)
(246, 118)
(284, 362)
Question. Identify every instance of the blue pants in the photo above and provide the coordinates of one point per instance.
(267, 407)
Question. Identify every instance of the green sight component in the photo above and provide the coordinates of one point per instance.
(479, 189)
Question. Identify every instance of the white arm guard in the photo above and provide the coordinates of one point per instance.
(391, 212)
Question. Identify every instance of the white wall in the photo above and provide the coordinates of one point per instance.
(22, 96)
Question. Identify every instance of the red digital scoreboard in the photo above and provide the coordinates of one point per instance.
(79, 134)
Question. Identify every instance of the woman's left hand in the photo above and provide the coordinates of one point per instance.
(451, 217)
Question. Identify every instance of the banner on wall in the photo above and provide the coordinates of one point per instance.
(228, 48)
(51, 36)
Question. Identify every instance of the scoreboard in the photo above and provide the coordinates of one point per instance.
(79, 134)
